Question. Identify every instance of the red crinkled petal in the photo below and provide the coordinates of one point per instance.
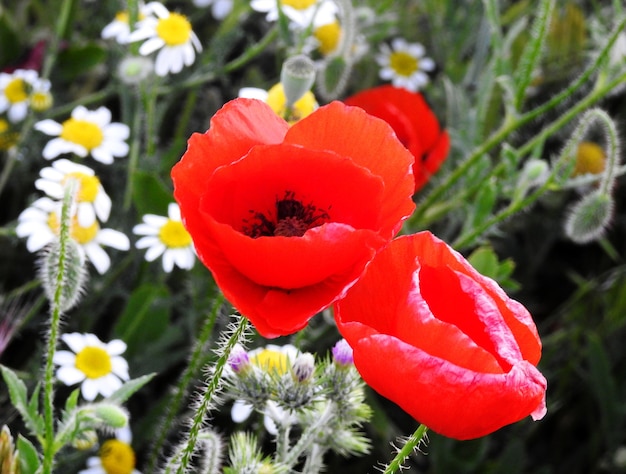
(450, 400)
(235, 129)
(431, 160)
(372, 144)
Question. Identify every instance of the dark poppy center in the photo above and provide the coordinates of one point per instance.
(290, 218)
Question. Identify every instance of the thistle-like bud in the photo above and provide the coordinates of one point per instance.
(9, 461)
(73, 279)
(342, 353)
(238, 360)
(589, 218)
(303, 367)
(297, 76)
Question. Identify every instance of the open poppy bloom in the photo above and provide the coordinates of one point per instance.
(286, 218)
(413, 121)
(442, 341)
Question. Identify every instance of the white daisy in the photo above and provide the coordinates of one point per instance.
(86, 132)
(404, 64)
(15, 91)
(219, 8)
(97, 366)
(91, 199)
(171, 34)
(40, 95)
(115, 456)
(168, 237)
(277, 100)
(271, 358)
(40, 224)
(119, 28)
(302, 13)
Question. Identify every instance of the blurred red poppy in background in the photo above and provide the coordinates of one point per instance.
(442, 341)
(287, 218)
(413, 121)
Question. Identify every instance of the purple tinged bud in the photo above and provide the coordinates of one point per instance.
(342, 353)
(238, 359)
(303, 367)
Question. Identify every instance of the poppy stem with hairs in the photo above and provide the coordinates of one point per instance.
(411, 444)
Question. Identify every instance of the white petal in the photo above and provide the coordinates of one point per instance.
(154, 252)
(102, 155)
(102, 205)
(49, 127)
(253, 93)
(151, 45)
(427, 64)
(70, 375)
(98, 257)
(90, 389)
(75, 341)
(168, 261)
(113, 238)
(173, 211)
(101, 117)
(240, 411)
(64, 358)
(145, 229)
(147, 241)
(119, 367)
(117, 131)
(38, 240)
(108, 384)
(116, 347)
(154, 220)
(86, 214)
(116, 148)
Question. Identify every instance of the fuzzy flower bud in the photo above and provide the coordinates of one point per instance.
(111, 415)
(342, 353)
(85, 439)
(238, 360)
(303, 367)
(297, 76)
(133, 70)
(589, 218)
(74, 277)
(9, 461)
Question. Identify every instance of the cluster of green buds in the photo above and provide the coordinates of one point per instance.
(309, 407)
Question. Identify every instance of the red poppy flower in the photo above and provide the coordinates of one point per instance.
(442, 341)
(287, 218)
(413, 121)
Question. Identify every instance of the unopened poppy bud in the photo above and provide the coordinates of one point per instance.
(303, 367)
(112, 415)
(238, 360)
(297, 76)
(589, 218)
(74, 277)
(342, 353)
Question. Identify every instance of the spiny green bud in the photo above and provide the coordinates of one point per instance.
(303, 367)
(297, 76)
(111, 415)
(212, 447)
(589, 218)
(74, 277)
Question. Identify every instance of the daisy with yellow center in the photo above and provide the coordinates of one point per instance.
(86, 132)
(119, 28)
(275, 361)
(277, 100)
(39, 223)
(404, 64)
(15, 89)
(167, 237)
(170, 34)
(301, 13)
(40, 96)
(91, 199)
(96, 365)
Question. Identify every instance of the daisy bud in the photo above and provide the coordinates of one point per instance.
(74, 277)
(297, 76)
(342, 353)
(303, 367)
(84, 440)
(133, 70)
(589, 218)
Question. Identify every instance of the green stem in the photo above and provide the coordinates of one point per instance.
(308, 437)
(55, 320)
(192, 368)
(207, 399)
(411, 444)
(133, 155)
(8, 167)
(61, 28)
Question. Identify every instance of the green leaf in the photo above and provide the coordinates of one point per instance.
(18, 395)
(10, 41)
(150, 195)
(129, 388)
(72, 400)
(76, 60)
(29, 457)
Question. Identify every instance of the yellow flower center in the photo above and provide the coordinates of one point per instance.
(82, 235)
(270, 360)
(122, 17)
(174, 30)
(40, 101)
(328, 36)
(589, 159)
(82, 132)
(88, 186)
(117, 457)
(8, 138)
(304, 106)
(15, 91)
(299, 4)
(173, 234)
(94, 362)
(403, 63)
